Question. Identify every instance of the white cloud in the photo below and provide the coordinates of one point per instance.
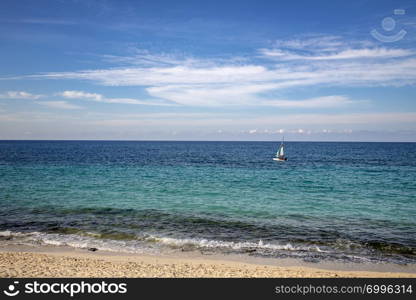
(242, 85)
(337, 72)
(167, 75)
(344, 54)
(367, 53)
(19, 95)
(326, 101)
(100, 98)
(210, 95)
(81, 95)
(314, 42)
(313, 61)
(59, 104)
(144, 58)
(247, 95)
(322, 43)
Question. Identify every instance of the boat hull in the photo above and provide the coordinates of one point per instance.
(279, 159)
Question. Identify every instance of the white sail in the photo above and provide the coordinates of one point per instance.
(281, 152)
(280, 155)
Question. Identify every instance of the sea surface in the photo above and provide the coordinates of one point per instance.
(352, 202)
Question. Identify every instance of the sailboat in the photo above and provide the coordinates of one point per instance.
(280, 155)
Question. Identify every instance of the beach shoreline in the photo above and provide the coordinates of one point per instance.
(52, 261)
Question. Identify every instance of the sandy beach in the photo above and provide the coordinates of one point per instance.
(69, 263)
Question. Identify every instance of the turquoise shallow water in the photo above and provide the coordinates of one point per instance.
(329, 201)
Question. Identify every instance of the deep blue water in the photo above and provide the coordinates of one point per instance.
(333, 201)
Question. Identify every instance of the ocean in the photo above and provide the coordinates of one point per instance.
(331, 201)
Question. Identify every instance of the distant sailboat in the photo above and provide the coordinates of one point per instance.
(280, 155)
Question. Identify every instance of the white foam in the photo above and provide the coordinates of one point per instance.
(75, 241)
(8, 233)
(205, 243)
(151, 244)
(5, 233)
(145, 245)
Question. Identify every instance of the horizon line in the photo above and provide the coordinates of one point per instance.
(225, 141)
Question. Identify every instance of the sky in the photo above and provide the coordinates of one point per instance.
(208, 70)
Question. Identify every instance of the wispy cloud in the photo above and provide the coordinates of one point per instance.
(317, 61)
(81, 95)
(319, 102)
(344, 73)
(329, 48)
(59, 104)
(345, 54)
(320, 43)
(242, 95)
(210, 94)
(19, 95)
(345, 67)
(100, 98)
(167, 75)
(144, 58)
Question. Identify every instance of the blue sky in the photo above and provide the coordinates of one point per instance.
(208, 70)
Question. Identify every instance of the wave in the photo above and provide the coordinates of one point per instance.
(151, 244)
(85, 241)
(104, 242)
(154, 243)
(215, 244)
